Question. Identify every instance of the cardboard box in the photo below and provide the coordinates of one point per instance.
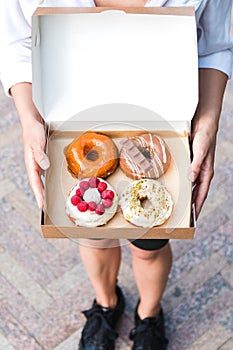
(121, 71)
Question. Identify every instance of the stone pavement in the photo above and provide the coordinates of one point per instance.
(43, 285)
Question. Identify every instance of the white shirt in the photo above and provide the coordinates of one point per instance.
(213, 17)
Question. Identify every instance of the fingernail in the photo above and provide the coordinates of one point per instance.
(44, 164)
(38, 203)
(191, 176)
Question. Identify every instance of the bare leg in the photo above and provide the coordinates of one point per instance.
(102, 265)
(151, 270)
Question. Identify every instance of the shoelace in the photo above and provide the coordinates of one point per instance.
(99, 328)
(148, 330)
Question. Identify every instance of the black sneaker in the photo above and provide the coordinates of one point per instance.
(149, 333)
(99, 331)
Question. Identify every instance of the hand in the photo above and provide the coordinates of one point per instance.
(35, 158)
(33, 137)
(203, 138)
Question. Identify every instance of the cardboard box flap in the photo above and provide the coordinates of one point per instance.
(138, 56)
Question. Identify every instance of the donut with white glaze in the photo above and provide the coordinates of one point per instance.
(146, 203)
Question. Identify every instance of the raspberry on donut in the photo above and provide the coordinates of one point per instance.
(144, 156)
(102, 186)
(92, 155)
(94, 182)
(89, 205)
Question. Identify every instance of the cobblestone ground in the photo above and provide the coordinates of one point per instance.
(43, 285)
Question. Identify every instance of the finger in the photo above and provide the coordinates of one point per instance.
(201, 194)
(33, 170)
(37, 188)
(201, 191)
(196, 164)
(41, 158)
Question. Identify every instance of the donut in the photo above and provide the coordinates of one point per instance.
(144, 156)
(146, 203)
(92, 202)
(90, 155)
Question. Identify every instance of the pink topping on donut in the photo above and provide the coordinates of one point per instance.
(92, 206)
(80, 192)
(102, 186)
(100, 209)
(107, 194)
(107, 203)
(75, 199)
(84, 185)
(94, 182)
(88, 204)
(82, 206)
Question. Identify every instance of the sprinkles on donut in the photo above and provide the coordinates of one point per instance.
(92, 202)
(146, 203)
(144, 156)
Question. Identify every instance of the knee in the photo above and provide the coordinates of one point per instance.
(151, 254)
(99, 244)
(144, 254)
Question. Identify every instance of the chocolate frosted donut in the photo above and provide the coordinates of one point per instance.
(144, 156)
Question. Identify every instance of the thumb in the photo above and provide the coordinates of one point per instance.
(41, 158)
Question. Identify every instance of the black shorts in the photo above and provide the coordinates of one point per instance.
(149, 244)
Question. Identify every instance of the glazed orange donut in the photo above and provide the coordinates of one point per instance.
(144, 156)
(92, 154)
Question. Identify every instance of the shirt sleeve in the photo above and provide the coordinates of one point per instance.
(15, 45)
(215, 45)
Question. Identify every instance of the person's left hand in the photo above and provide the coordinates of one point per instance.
(203, 138)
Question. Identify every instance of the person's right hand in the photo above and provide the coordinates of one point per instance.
(33, 137)
(35, 159)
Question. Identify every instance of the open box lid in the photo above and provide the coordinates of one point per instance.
(85, 57)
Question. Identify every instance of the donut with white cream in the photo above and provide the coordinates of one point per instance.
(146, 203)
(92, 202)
